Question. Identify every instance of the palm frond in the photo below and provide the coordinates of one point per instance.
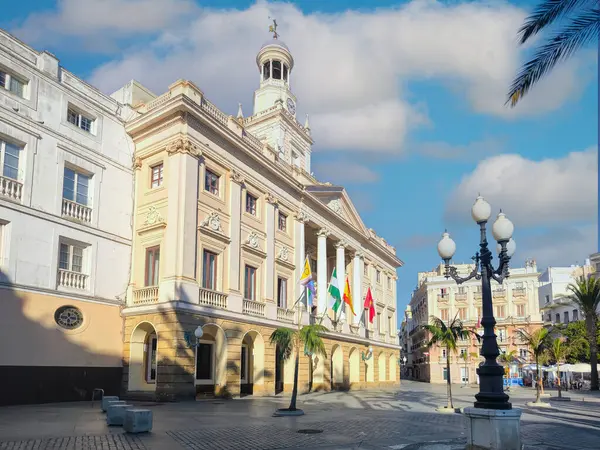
(546, 13)
(585, 293)
(581, 31)
(310, 335)
(284, 339)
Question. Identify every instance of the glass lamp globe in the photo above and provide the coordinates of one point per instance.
(481, 210)
(511, 247)
(502, 228)
(446, 247)
(198, 332)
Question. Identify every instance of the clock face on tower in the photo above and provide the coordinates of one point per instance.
(291, 106)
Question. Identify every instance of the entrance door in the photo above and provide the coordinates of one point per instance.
(151, 359)
(278, 371)
(246, 386)
(464, 375)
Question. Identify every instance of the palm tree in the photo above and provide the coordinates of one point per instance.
(585, 293)
(537, 341)
(447, 336)
(558, 351)
(290, 341)
(580, 28)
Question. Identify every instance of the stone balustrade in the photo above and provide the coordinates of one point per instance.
(145, 296)
(72, 280)
(10, 188)
(215, 299)
(286, 315)
(253, 308)
(73, 210)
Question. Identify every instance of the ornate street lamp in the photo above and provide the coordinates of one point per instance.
(491, 390)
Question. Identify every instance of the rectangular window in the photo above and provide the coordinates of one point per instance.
(156, 178)
(250, 283)
(11, 83)
(445, 373)
(209, 270)
(520, 310)
(282, 222)
(389, 282)
(500, 311)
(444, 314)
(566, 317)
(575, 315)
(10, 160)
(502, 335)
(71, 258)
(462, 313)
(79, 120)
(152, 266)
(379, 323)
(204, 362)
(444, 354)
(251, 204)
(557, 318)
(211, 182)
(463, 352)
(282, 292)
(547, 299)
(378, 276)
(76, 187)
(461, 290)
(523, 353)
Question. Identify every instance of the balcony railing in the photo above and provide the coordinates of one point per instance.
(73, 210)
(443, 297)
(11, 188)
(72, 280)
(145, 295)
(499, 293)
(253, 308)
(285, 315)
(460, 297)
(216, 299)
(477, 296)
(519, 292)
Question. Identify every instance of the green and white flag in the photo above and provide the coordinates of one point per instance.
(334, 291)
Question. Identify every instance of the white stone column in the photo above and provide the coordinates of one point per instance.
(299, 253)
(322, 270)
(235, 187)
(340, 267)
(357, 297)
(270, 250)
(181, 235)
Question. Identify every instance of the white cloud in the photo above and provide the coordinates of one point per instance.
(350, 70)
(468, 152)
(532, 193)
(342, 172)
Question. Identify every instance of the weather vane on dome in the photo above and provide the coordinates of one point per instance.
(273, 29)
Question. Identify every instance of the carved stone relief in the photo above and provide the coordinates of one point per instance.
(212, 221)
(335, 206)
(183, 146)
(284, 253)
(153, 216)
(252, 240)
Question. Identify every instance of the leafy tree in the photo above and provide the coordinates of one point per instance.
(290, 341)
(576, 335)
(585, 293)
(537, 341)
(580, 25)
(448, 336)
(557, 351)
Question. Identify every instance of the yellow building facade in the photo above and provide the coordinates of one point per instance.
(226, 211)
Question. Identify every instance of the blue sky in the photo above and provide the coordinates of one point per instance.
(406, 104)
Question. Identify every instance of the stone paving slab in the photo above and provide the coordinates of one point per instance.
(108, 441)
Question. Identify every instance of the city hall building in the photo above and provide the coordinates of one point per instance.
(129, 221)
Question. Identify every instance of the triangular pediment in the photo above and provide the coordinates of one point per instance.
(336, 199)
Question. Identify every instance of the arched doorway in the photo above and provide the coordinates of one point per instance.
(318, 377)
(211, 360)
(337, 367)
(143, 358)
(381, 364)
(354, 366)
(392, 367)
(252, 363)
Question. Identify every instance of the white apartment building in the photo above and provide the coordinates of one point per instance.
(515, 307)
(65, 222)
(554, 294)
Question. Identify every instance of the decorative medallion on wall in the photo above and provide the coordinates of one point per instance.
(153, 216)
(212, 221)
(335, 206)
(68, 317)
(284, 253)
(252, 240)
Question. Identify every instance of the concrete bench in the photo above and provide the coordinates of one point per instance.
(115, 414)
(106, 399)
(138, 421)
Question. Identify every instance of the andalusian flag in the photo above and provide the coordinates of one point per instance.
(306, 273)
(334, 292)
(348, 296)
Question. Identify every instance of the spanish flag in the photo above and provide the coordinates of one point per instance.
(306, 274)
(348, 296)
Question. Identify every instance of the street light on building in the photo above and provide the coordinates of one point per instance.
(491, 390)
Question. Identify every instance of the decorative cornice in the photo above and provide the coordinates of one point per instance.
(184, 146)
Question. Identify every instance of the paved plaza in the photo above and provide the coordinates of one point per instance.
(391, 419)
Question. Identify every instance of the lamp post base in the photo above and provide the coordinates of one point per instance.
(493, 429)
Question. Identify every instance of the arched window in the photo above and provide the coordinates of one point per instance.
(277, 70)
(285, 72)
(266, 70)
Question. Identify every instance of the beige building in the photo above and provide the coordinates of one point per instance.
(226, 210)
(515, 307)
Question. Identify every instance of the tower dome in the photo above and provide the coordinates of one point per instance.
(274, 59)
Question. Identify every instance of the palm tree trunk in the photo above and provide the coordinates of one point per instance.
(295, 389)
(538, 394)
(448, 382)
(590, 322)
(558, 373)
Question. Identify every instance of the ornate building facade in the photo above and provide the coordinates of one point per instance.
(515, 307)
(226, 211)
